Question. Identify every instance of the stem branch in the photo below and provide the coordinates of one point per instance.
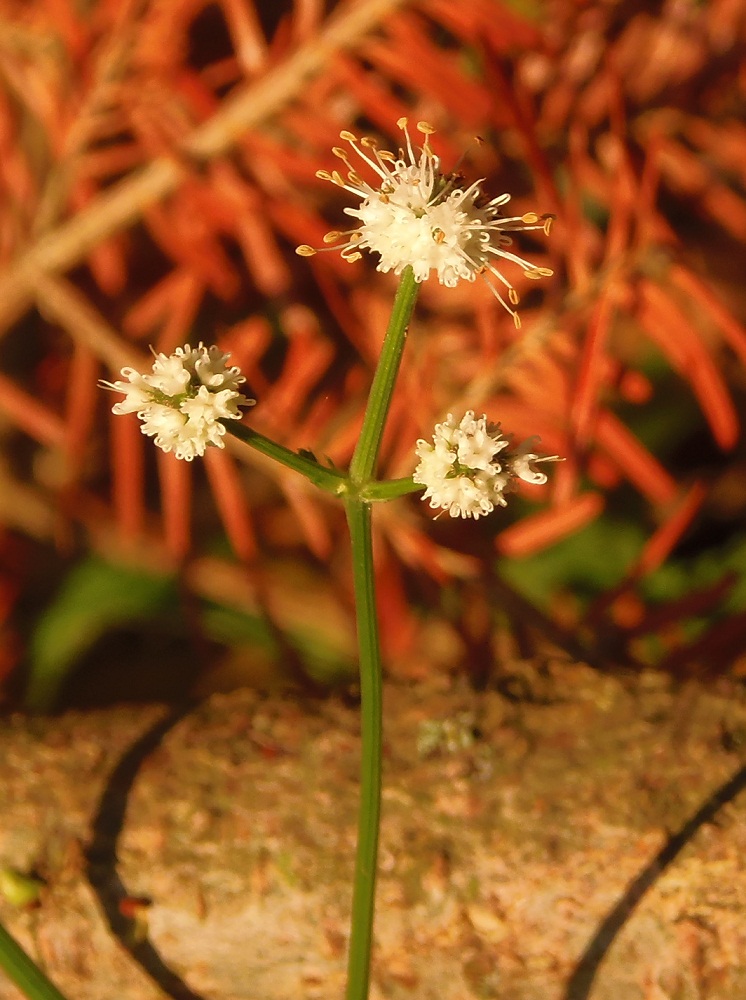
(329, 480)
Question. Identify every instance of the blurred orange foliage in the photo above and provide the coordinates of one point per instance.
(157, 168)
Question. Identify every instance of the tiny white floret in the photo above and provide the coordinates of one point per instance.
(470, 466)
(183, 400)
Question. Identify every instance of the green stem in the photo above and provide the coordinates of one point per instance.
(358, 511)
(22, 971)
(389, 489)
(326, 479)
(363, 894)
(363, 464)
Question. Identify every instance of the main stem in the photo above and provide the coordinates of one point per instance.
(358, 511)
(371, 714)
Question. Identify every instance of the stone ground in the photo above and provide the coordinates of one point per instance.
(578, 837)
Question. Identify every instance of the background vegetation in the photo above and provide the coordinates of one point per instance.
(157, 169)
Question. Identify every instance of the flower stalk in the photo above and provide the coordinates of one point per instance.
(371, 725)
(362, 466)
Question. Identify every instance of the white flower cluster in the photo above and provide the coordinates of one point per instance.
(184, 399)
(418, 217)
(462, 471)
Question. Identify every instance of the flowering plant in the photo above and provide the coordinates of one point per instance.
(418, 220)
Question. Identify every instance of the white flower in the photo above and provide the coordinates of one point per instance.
(184, 399)
(469, 467)
(421, 218)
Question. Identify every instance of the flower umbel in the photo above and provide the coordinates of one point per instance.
(421, 218)
(471, 465)
(184, 399)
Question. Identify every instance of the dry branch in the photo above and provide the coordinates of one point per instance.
(123, 204)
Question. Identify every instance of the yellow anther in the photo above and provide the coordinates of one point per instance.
(348, 136)
(332, 237)
(402, 123)
(516, 321)
(530, 218)
(305, 251)
(425, 127)
(513, 296)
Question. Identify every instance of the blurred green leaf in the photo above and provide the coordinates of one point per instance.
(323, 660)
(95, 597)
(19, 890)
(588, 563)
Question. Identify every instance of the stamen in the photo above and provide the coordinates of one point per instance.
(402, 123)
(353, 141)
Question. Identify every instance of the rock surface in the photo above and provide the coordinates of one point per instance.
(573, 836)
